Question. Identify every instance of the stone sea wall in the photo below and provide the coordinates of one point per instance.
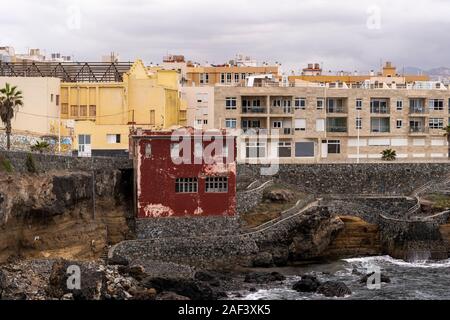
(367, 178)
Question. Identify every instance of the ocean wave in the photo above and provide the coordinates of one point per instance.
(382, 260)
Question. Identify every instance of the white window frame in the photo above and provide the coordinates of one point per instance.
(320, 103)
(186, 185)
(230, 103)
(436, 123)
(399, 123)
(300, 103)
(231, 123)
(111, 138)
(358, 104)
(432, 104)
(358, 123)
(216, 184)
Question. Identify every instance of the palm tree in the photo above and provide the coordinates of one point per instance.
(10, 100)
(447, 134)
(40, 146)
(388, 155)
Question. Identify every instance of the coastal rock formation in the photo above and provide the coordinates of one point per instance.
(334, 289)
(357, 238)
(69, 214)
(91, 286)
(307, 284)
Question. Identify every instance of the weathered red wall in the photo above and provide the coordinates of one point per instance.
(156, 178)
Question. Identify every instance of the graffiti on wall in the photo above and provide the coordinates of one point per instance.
(23, 142)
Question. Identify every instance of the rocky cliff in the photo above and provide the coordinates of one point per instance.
(71, 214)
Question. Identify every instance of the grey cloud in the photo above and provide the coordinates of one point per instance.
(288, 31)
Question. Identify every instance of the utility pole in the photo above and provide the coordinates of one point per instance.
(59, 130)
(359, 123)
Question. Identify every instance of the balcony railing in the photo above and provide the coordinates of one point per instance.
(337, 109)
(281, 110)
(336, 129)
(419, 129)
(254, 110)
(420, 110)
(255, 131)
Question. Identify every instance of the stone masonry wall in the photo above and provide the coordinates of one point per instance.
(186, 227)
(367, 178)
(46, 162)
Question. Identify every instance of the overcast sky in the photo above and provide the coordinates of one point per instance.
(349, 35)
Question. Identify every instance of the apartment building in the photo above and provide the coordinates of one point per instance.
(317, 122)
(388, 73)
(198, 83)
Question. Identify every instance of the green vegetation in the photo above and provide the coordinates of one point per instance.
(30, 164)
(440, 201)
(5, 165)
(40, 146)
(10, 100)
(388, 155)
(270, 209)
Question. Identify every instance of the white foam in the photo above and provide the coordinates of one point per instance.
(371, 261)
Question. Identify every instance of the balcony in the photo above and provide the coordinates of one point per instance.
(255, 131)
(253, 110)
(338, 125)
(282, 110)
(336, 105)
(282, 131)
(419, 129)
(418, 110)
(340, 129)
(336, 109)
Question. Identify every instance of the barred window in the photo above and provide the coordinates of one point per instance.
(216, 184)
(186, 185)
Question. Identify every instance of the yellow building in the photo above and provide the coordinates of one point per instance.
(105, 111)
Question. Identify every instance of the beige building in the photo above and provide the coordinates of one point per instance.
(333, 122)
(200, 106)
(40, 111)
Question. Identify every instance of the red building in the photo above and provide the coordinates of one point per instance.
(185, 172)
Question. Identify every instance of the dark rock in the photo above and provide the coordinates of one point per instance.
(204, 276)
(383, 278)
(279, 195)
(356, 272)
(137, 272)
(92, 281)
(118, 260)
(315, 235)
(252, 289)
(263, 260)
(193, 289)
(208, 277)
(171, 296)
(3, 282)
(263, 277)
(280, 256)
(123, 270)
(307, 284)
(143, 293)
(333, 289)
